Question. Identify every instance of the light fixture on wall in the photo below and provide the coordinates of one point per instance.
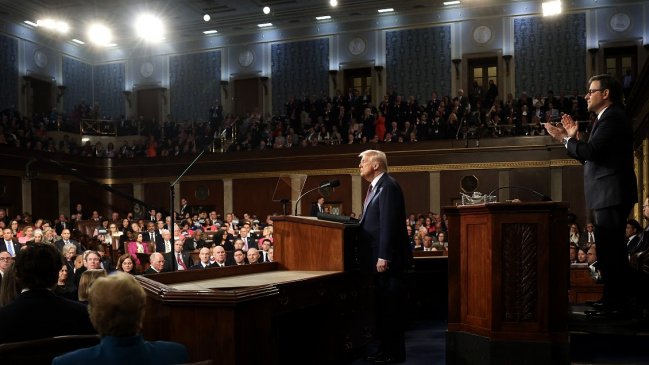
(379, 72)
(507, 59)
(456, 62)
(127, 95)
(61, 92)
(334, 74)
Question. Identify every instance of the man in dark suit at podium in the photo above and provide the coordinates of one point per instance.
(383, 229)
(609, 184)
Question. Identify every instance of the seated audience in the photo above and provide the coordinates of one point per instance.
(126, 263)
(117, 306)
(582, 256)
(253, 256)
(65, 288)
(37, 312)
(204, 257)
(593, 265)
(157, 262)
(9, 288)
(271, 254)
(137, 246)
(239, 257)
(633, 229)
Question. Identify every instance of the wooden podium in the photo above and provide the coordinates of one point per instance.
(508, 284)
(304, 308)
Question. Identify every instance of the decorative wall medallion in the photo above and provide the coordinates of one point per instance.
(146, 70)
(40, 59)
(357, 46)
(246, 58)
(620, 22)
(482, 34)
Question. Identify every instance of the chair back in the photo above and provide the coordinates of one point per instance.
(44, 350)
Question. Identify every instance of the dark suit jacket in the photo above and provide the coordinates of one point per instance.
(127, 350)
(59, 227)
(191, 244)
(150, 270)
(60, 243)
(199, 266)
(609, 178)
(315, 209)
(3, 246)
(39, 313)
(159, 241)
(383, 226)
(171, 264)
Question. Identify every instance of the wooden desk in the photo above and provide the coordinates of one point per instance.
(271, 313)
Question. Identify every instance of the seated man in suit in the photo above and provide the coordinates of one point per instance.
(152, 235)
(117, 305)
(65, 239)
(204, 257)
(178, 260)
(194, 242)
(633, 230)
(220, 257)
(157, 261)
(9, 243)
(239, 257)
(253, 256)
(37, 312)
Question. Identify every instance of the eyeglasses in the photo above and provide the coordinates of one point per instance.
(6, 259)
(590, 91)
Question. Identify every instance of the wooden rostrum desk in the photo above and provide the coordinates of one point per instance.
(310, 306)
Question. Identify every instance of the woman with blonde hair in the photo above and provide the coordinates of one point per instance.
(87, 278)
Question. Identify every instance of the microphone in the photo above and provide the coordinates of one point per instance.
(543, 197)
(327, 184)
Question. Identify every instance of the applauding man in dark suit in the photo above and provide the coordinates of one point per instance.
(609, 184)
(385, 241)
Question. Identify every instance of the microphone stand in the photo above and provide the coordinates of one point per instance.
(301, 196)
(172, 194)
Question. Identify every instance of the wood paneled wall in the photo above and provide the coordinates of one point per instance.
(416, 191)
(45, 198)
(255, 196)
(203, 193)
(341, 194)
(93, 197)
(11, 194)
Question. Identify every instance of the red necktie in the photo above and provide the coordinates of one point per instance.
(180, 261)
(367, 197)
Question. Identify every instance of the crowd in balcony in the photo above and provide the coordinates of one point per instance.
(345, 118)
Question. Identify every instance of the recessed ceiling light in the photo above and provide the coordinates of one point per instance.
(207, 17)
(265, 25)
(324, 17)
(386, 10)
(333, 2)
(266, 10)
(77, 41)
(211, 31)
(551, 8)
(447, 3)
(29, 22)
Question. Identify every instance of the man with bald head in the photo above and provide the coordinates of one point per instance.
(157, 262)
(204, 257)
(219, 256)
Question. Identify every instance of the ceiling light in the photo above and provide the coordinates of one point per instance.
(211, 31)
(207, 17)
(551, 8)
(149, 27)
(62, 27)
(77, 41)
(111, 45)
(29, 22)
(266, 10)
(265, 25)
(449, 3)
(45, 23)
(99, 34)
(333, 2)
(386, 10)
(324, 17)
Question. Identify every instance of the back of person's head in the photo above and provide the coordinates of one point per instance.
(116, 304)
(9, 289)
(87, 279)
(37, 266)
